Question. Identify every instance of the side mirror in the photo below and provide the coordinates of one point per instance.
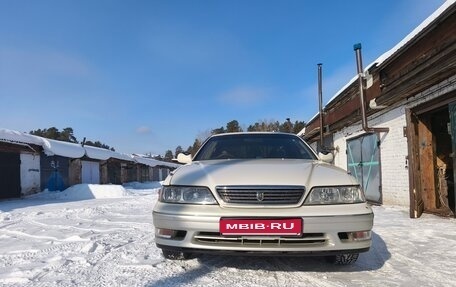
(328, 158)
(184, 158)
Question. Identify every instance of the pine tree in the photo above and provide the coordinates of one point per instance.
(195, 147)
(179, 150)
(264, 126)
(233, 127)
(66, 135)
(298, 126)
(220, 130)
(286, 127)
(168, 156)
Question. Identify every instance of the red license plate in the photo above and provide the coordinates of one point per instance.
(279, 226)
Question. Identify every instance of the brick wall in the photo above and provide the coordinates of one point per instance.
(394, 147)
(393, 152)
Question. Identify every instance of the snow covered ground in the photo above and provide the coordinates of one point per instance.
(91, 235)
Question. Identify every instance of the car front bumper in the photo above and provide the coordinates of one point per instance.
(326, 229)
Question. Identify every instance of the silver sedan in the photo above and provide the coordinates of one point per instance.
(261, 194)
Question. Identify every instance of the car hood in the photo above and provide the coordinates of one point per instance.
(214, 173)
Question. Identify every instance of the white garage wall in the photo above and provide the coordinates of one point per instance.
(30, 173)
(393, 153)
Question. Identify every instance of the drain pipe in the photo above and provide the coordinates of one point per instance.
(320, 101)
(359, 65)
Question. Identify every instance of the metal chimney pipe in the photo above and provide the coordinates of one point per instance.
(359, 66)
(320, 101)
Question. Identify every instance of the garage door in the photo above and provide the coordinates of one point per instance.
(363, 162)
(452, 188)
(90, 172)
(10, 178)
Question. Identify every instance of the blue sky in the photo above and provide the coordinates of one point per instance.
(147, 76)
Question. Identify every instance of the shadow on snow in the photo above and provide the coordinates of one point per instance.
(372, 260)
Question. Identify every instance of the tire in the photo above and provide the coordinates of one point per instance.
(343, 259)
(175, 255)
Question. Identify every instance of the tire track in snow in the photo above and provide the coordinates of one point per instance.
(315, 271)
(33, 255)
(116, 258)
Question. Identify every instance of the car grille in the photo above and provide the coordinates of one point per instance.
(264, 195)
(307, 239)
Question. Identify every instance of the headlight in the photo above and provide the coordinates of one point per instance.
(335, 195)
(186, 194)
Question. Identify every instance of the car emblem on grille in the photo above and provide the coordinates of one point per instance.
(260, 195)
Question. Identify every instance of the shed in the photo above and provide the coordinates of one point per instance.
(117, 166)
(152, 169)
(59, 166)
(19, 164)
(112, 167)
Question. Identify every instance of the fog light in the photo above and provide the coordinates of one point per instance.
(165, 233)
(360, 235)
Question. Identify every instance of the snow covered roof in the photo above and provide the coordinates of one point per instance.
(385, 56)
(97, 153)
(122, 156)
(153, 162)
(146, 161)
(74, 150)
(104, 154)
(50, 147)
(15, 136)
(66, 149)
(414, 33)
(302, 132)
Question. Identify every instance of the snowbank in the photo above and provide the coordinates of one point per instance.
(143, 185)
(85, 191)
(96, 191)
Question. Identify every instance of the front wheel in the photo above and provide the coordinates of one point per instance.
(175, 255)
(343, 259)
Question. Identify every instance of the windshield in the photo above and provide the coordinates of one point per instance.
(254, 146)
